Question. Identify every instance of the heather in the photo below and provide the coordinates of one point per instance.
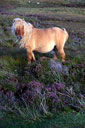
(46, 93)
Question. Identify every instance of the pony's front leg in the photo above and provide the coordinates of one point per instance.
(30, 56)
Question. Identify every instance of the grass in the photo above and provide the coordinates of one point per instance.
(50, 11)
(13, 61)
(65, 120)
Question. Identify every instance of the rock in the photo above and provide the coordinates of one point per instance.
(57, 67)
(29, 1)
(38, 3)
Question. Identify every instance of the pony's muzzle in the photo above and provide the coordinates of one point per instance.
(19, 38)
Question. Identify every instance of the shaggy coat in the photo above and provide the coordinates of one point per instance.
(40, 40)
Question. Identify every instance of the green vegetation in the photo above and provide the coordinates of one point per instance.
(20, 82)
(65, 120)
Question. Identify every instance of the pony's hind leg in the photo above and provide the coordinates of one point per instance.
(62, 53)
(33, 57)
(55, 50)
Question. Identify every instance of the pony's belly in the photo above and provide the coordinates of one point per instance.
(46, 48)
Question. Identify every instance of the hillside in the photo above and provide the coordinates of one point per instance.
(46, 93)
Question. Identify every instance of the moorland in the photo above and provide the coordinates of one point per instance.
(46, 93)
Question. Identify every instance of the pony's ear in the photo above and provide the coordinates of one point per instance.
(30, 27)
(20, 30)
